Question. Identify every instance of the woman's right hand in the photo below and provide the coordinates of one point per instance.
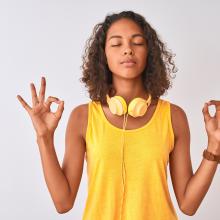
(44, 121)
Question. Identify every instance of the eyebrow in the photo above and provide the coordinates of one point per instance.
(132, 36)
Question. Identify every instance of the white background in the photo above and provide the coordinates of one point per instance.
(47, 38)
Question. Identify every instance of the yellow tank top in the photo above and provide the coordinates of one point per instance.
(145, 194)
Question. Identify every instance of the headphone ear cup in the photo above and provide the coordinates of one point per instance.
(138, 107)
(117, 105)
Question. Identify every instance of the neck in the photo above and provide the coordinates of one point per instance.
(130, 89)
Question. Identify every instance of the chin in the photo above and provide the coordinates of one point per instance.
(128, 75)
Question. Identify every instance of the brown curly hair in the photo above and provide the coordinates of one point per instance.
(96, 74)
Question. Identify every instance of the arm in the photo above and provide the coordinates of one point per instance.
(57, 183)
(189, 188)
(75, 149)
(63, 182)
(198, 186)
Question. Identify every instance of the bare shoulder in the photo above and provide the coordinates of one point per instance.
(178, 118)
(80, 113)
(176, 108)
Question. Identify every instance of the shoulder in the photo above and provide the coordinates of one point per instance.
(178, 118)
(81, 109)
(176, 109)
(79, 115)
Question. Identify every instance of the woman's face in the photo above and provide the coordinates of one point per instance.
(126, 49)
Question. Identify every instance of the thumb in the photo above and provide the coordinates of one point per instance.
(60, 109)
(205, 112)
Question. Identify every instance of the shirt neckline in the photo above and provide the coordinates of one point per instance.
(130, 130)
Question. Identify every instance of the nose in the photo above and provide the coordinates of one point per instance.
(128, 51)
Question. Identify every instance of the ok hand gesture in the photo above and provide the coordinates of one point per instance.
(44, 121)
(212, 125)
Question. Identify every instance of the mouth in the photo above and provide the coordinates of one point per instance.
(128, 63)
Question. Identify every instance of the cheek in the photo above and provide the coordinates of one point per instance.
(112, 60)
(143, 59)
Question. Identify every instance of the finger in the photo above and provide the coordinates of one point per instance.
(35, 100)
(51, 99)
(216, 103)
(206, 114)
(217, 106)
(24, 104)
(60, 109)
(42, 90)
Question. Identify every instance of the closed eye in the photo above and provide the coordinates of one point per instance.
(133, 43)
(138, 44)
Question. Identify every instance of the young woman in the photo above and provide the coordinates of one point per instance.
(126, 69)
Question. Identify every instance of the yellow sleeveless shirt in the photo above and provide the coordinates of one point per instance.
(145, 194)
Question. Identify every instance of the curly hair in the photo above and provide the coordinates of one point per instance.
(96, 74)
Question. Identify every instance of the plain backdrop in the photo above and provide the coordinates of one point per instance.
(47, 38)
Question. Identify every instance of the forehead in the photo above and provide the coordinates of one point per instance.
(124, 27)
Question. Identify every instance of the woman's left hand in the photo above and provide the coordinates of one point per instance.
(212, 125)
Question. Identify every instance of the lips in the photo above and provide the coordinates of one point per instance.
(128, 61)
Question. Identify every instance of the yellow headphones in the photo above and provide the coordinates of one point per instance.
(137, 107)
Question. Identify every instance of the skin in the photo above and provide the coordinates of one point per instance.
(63, 181)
